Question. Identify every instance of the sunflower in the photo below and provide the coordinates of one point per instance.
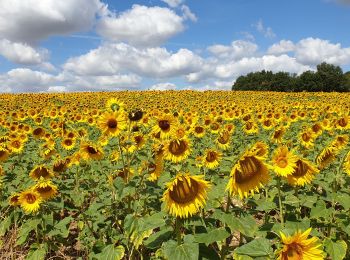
(185, 195)
(259, 149)
(4, 154)
(90, 151)
(340, 141)
(177, 150)
(247, 175)
(16, 145)
(326, 156)
(304, 173)
(41, 171)
(198, 131)
(165, 126)
(68, 143)
(346, 164)
(277, 135)
(211, 158)
(114, 105)
(60, 165)
(284, 161)
(46, 189)
(300, 247)
(14, 200)
(112, 123)
(250, 128)
(307, 139)
(30, 201)
(38, 132)
(223, 140)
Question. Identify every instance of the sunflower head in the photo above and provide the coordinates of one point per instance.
(304, 172)
(211, 158)
(41, 171)
(4, 154)
(298, 246)
(177, 150)
(30, 201)
(284, 161)
(89, 151)
(46, 189)
(185, 195)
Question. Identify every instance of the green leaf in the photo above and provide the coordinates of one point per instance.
(189, 250)
(257, 248)
(111, 252)
(212, 236)
(156, 239)
(344, 200)
(4, 225)
(61, 228)
(38, 254)
(246, 225)
(265, 205)
(320, 210)
(25, 229)
(336, 250)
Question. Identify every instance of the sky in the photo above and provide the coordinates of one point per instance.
(105, 45)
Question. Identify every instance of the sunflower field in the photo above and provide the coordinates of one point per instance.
(175, 175)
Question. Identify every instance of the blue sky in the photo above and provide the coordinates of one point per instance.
(87, 45)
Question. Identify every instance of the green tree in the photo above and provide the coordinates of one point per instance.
(331, 78)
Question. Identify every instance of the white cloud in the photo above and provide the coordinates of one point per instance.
(141, 25)
(266, 31)
(237, 50)
(313, 51)
(187, 14)
(173, 3)
(157, 62)
(33, 20)
(57, 89)
(163, 86)
(22, 53)
(283, 46)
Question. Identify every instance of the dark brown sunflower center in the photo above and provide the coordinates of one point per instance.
(211, 156)
(138, 139)
(277, 134)
(199, 129)
(301, 169)
(43, 190)
(306, 137)
(164, 125)
(42, 172)
(14, 199)
(184, 191)
(267, 123)
(38, 131)
(316, 128)
(68, 142)
(223, 139)
(112, 123)
(152, 167)
(16, 144)
(248, 126)
(342, 122)
(177, 147)
(294, 251)
(282, 162)
(30, 198)
(214, 126)
(3, 154)
(59, 166)
(250, 167)
(92, 150)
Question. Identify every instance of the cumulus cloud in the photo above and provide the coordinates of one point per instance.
(173, 3)
(187, 13)
(22, 53)
(237, 50)
(33, 20)
(283, 46)
(313, 51)
(141, 25)
(120, 58)
(163, 86)
(266, 31)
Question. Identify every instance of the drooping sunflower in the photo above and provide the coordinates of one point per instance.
(46, 189)
(211, 158)
(4, 154)
(185, 195)
(60, 165)
(284, 161)
(176, 150)
(90, 151)
(14, 200)
(259, 149)
(41, 171)
(298, 246)
(30, 201)
(346, 165)
(326, 156)
(303, 173)
(112, 123)
(223, 140)
(248, 175)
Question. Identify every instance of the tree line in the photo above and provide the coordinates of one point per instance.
(327, 78)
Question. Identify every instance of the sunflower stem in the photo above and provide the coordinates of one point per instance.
(280, 201)
(228, 202)
(178, 225)
(296, 192)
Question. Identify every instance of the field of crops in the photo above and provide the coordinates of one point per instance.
(175, 175)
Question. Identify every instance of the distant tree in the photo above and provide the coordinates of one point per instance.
(347, 81)
(307, 81)
(330, 77)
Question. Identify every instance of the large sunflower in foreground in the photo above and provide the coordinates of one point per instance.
(284, 161)
(303, 173)
(186, 195)
(112, 123)
(248, 174)
(30, 201)
(299, 247)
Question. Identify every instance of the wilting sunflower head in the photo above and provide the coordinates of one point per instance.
(185, 195)
(248, 175)
(89, 151)
(41, 171)
(14, 200)
(284, 161)
(46, 189)
(223, 140)
(211, 158)
(326, 156)
(304, 172)
(30, 201)
(299, 247)
(4, 154)
(259, 149)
